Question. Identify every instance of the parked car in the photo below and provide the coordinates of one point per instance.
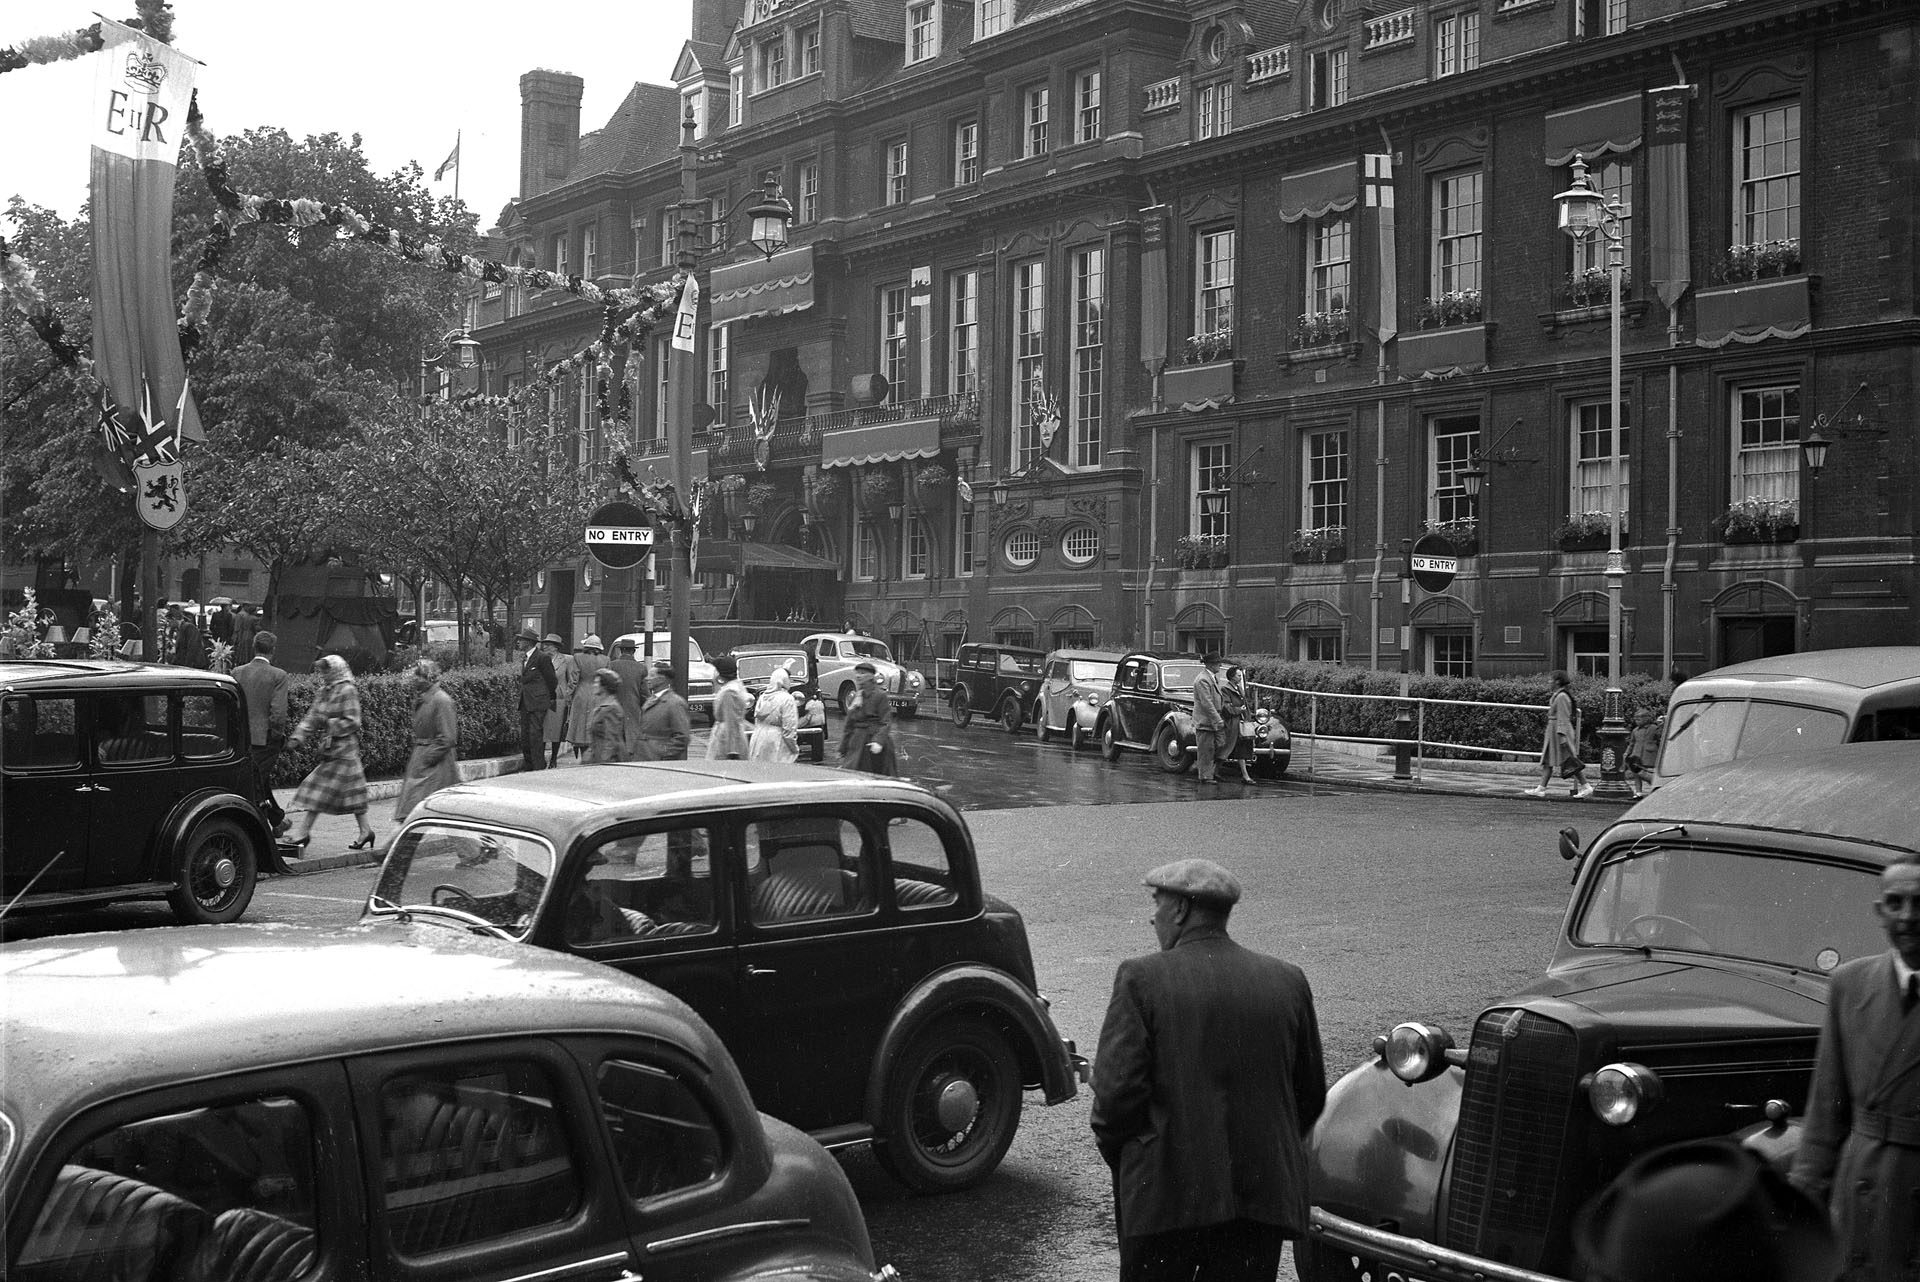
(835, 654)
(128, 781)
(407, 1102)
(829, 924)
(1074, 686)
(434, 632)
(1151, 709)
(1684, 998)
(1791, 703)
(702, 680)
(757, 662)
(994, 680)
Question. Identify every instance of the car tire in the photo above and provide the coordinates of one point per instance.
(216, 866)
(1011, 716)
(1169, 751)
(1040, 725)
(1076, 735)
(962, 713)
(1109, 741)
(849, 695)
(952, 1105)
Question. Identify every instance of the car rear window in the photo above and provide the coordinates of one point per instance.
(1091, 670)
(38, 733)
(1025, 664)
(1712, 731)
(922, 874)
(209, 726)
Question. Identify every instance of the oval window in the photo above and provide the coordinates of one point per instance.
(1217, 46)
(1080, 544)
(1023, 549)
(1329, 13)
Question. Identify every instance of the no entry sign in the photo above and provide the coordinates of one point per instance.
(1433, 563)
(619, 535)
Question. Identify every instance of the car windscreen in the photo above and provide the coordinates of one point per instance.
(1092, 670)
(498, 877)
(867, 649)
(1179, 676)
(1708, 732)
(1802, 913)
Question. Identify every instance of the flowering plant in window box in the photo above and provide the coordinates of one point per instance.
(1323, 329)
(879, 487)
(1456, 307)
(1211, 346)
(1319, 542)
(1463, 532)
(933, 483)
(827, 492)
(1760, 259)
(1590, 286)
(1200, 551)
(1757, 520)
(1584, 531)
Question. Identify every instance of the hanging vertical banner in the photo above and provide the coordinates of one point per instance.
(1377, 179)
(1153, 288)
(1667, 191)
(684, 317)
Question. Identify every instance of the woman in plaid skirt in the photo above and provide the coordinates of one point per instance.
(337, 786)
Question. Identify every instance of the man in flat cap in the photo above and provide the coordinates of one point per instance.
(664, 725)
(537, 686)
(1207, 1078)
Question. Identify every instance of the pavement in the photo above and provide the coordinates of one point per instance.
(1347, 765)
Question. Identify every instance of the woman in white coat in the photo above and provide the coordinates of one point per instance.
(776, 722)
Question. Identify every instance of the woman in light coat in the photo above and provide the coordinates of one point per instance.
(338, 785)
(732, 705)
(434, 762)
(566, 677)
(776, 722)
(591, 659)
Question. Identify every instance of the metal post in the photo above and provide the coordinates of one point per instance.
(682, 371)
(1613, 726)
(1403, 718)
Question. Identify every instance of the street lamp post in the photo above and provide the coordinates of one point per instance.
(1585, 213)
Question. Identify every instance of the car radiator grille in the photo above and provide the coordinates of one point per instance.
(1507, 1153)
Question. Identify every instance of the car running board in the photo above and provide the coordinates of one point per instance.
(843, 1136)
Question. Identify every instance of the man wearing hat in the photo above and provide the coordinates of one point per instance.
(1209, 720)
(866, 738)
(537, 686)
(1208, 1077)
(1859, 1155)
(665, 727)
(633, 689)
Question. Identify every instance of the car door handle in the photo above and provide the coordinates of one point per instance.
(762, 970)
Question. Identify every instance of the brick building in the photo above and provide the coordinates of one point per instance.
(1125, 267)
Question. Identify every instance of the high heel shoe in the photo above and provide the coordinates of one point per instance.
(299, 844)
(365, 843)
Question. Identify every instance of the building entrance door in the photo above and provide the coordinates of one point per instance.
(1755, 637)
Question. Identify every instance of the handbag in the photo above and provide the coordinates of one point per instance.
(1246, 728)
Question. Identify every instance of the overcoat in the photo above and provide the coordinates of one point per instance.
(664, 728)
(869, 721)
(1860, 1151)
(585, 695)
(775, 727)
(731, 707)
(434, 762)
(566, 676)
(338, 784)
(1208, 1078)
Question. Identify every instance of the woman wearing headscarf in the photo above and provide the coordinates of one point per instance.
(338, 785)
(732, 705)
(434, 762)
(866, 737)
(776, 722)
(607, 720)
(591, 659)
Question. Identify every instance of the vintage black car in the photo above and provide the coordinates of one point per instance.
(404, 1102)
(829, 924)
(994, 680)
(1074, 686)
(1684, 999)
(756, 665)
(127, 781)
(1151, 709)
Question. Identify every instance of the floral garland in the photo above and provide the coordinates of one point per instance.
(156, 19)
(17, 284)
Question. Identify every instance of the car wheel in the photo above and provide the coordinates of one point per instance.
(1011, 717)
(1109, 741)
(1076, 735)
(216, 866)
(1040, 724)
(849, 695)
(1170, 751)
(952, 1106)
(962, 714)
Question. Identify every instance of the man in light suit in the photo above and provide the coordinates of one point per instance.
(1860, 1152)
(1209, 720)
(1208, 1077)
(538, 683)
(265, 688)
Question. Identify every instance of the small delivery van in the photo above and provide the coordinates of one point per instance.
(1790, 703)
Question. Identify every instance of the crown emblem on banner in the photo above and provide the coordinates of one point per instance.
(144, 69)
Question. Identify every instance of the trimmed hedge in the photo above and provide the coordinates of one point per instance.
(486, 698)
(1488, 727)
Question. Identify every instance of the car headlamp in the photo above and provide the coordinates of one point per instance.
(913, 680)
(1618, 1093)
(1417, 1052)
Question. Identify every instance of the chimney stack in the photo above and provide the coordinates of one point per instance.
(549, 129)
(714, 20)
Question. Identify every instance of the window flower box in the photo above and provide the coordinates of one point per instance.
(1323, 329)
(879, 487)
(1319, 545)
(1200, 551)
(1760, 521)
(1588, 532)
(1214, 345)
(1592, 287)
(1457, 307)
(1463, 533)
(1200, 385)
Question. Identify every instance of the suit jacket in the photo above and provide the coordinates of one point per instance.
(265, 687)
(1208, 1077)
(1868, 1069)
(537, 682)
(1207, 714)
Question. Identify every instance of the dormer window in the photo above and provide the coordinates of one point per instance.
(991, 17)
(693, 102)
(923, 31)
(1216, 46)
(810, 50)
(736, 97)
(772, 55)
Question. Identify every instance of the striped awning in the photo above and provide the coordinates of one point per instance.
(1594, 130)
(888, 441)
(763, 286)
(1319, 192)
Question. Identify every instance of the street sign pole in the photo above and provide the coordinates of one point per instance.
(1431, 565)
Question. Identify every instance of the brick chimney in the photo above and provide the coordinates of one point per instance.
(714, 20)
(549, 129)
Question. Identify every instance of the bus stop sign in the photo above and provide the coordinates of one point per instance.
(620, 535)
(1433, 563)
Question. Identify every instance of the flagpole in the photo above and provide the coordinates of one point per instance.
(456, 165)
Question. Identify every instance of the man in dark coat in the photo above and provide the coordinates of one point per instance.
(866, 737)
(265, 688)
(664, 726)
(189, 649)
(1208, 1077)
(633, 689)
(1860, 1152)
(537, 686)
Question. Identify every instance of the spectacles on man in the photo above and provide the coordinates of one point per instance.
(1896, 903)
